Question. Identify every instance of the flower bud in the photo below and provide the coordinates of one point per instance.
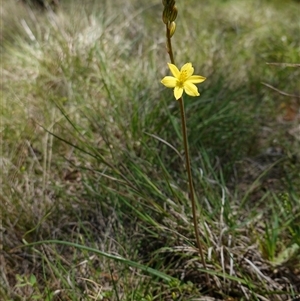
(165, 16)
(173, 14)
(170, 3)
(172, 28)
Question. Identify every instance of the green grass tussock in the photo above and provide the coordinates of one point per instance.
(94, 202)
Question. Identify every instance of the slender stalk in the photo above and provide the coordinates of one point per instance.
(191, 188)
(188, 163)
(169, 45)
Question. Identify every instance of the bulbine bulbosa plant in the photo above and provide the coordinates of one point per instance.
(182, 80)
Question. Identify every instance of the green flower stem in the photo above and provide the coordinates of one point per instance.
(188, 162)
(169, 45)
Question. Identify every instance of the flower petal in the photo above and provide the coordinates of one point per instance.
(174, 70)
(190, 89)
(169, 81)
(178, 92)
(196, 79)
(188, 68)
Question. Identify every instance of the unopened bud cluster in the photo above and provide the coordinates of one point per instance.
(169, 15)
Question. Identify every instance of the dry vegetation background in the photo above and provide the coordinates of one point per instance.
(93, 198)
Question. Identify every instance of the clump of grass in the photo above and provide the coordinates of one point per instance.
(92, 155)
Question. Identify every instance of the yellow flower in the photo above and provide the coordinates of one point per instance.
(183, 80)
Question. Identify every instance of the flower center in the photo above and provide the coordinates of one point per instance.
(182, 78)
